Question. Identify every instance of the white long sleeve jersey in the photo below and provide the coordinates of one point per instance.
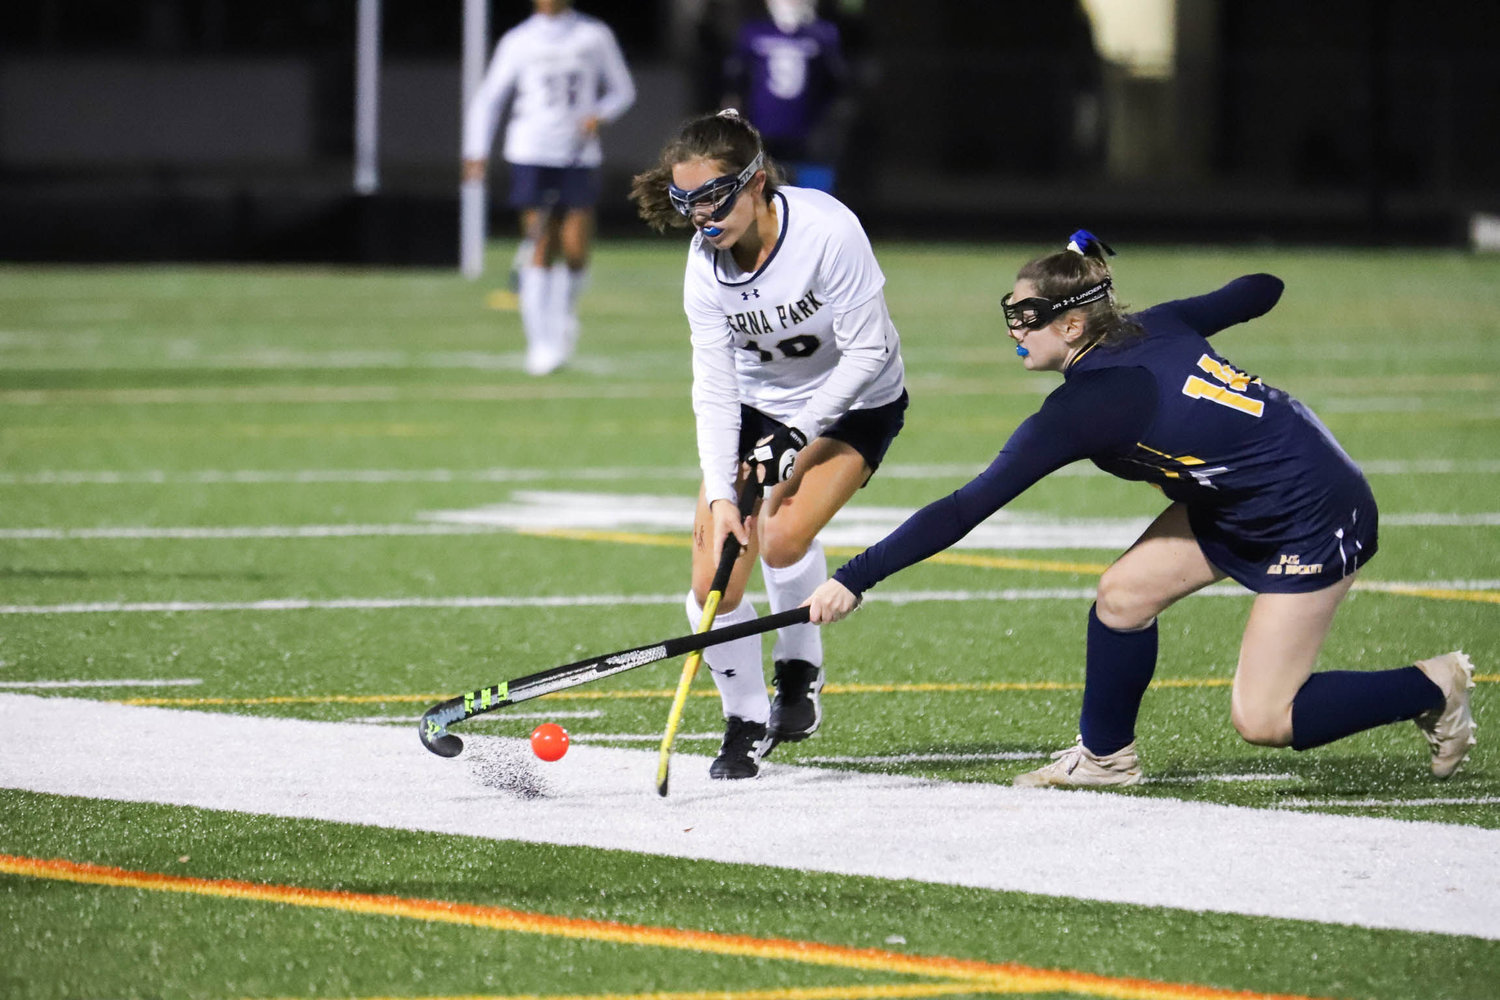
(558, 70)
(804, 339)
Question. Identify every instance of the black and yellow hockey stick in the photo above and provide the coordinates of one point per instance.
(749, 493)
(435, 721)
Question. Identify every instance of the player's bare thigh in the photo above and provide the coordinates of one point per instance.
(1280, 646)
(828, 473)
(543, 228)
(568, 234)
(1163, 566)
(706, 562)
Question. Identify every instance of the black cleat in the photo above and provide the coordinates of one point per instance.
(796, 710)
(739, 756)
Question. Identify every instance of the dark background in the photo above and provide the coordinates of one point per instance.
(223, 129)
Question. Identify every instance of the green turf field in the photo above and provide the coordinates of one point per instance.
(253, 491)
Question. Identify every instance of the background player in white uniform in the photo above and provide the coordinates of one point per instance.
(797, 380)
(563, 76)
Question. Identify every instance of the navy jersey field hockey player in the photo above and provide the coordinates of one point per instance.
(1273, 500)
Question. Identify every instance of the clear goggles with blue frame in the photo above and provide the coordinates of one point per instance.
(717, 196)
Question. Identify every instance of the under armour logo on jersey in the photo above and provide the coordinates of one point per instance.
(753, 293)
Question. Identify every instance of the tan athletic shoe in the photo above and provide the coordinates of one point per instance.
(1449, 729)
(1077, 767)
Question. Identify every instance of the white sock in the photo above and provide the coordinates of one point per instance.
(787, 588)
(577, 281)
(561, 311)
(525, 250)
(536, 294)
(736, 666)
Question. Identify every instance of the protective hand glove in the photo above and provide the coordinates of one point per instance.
(773, 456)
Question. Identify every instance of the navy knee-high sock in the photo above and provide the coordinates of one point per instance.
(1118, 670)
(1338, 703)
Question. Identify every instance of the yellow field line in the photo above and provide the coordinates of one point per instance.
(1480, 596)
(995, 976)
(941, 558)
(623, 537)
(995, 562)
(932, 687)
(1002, 562)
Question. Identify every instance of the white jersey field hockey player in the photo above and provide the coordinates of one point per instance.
(804, 339)
(798, 390)
(561, 75)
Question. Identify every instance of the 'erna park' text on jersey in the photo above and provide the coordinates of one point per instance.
(773, 338)
(1253, 466)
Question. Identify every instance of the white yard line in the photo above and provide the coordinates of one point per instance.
(541, 510)
(340, 604)
(1457, 800)
(715, 737)
(855, 527)
(1193, 779)
(573, 601)
(328, 394)
(893, 597)
(374, 477)
(686, 473)
(1482, 519)
(925, 758)
(1119, 848)
(244, 531)
(516, 716)
(576, 737)
(168, 682)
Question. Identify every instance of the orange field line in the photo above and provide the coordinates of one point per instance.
(893, 991)
(1006, 976)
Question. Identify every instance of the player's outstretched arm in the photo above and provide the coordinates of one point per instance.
(831, 602)
(1241, 300)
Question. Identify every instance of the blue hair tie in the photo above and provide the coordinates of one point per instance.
(1082, 240)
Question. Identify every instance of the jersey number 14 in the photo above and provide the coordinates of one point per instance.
(1227, 389)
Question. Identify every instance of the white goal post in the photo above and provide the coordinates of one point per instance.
(471, 194)
(367, 118)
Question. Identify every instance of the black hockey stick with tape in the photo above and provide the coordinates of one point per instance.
(435, 721)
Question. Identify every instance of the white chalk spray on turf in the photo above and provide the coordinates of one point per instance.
(506, 765)
(1118, 848)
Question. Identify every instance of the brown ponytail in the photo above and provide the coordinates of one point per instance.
(726, 137)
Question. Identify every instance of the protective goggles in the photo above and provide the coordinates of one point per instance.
(1036, 312)
(717, 195)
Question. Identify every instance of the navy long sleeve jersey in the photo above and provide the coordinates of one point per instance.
(1164, 408)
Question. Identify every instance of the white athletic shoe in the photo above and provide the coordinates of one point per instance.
(1449, 729)
(542, 362)
(1078, 767)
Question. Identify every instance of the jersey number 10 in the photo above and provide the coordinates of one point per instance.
(803, 345)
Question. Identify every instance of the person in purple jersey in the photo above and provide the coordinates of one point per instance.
(1261, 493)
(788, 74)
